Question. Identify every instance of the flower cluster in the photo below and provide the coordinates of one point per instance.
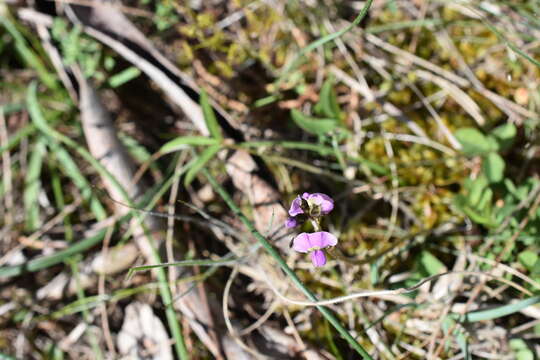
(311, 207)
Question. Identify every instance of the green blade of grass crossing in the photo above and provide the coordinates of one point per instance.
(28, 55)
(500, 311)
(200, 162)
(32, 184)
(70, 169)
(195, 262)
(58, 257)
(210, 116)
(507, 42)
(184, 142)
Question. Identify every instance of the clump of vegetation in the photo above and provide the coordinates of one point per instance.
(417, 121)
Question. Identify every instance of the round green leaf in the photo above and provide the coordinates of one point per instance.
(505, 135)
(473, 142)
(493, 167)
(528, 258)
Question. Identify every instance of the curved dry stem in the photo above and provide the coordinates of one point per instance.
(395, 184)
(380, 293)
(226, 316)
(260, 320)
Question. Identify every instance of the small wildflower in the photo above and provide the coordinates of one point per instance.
(314, 243)
(319, 203)
(315, 204)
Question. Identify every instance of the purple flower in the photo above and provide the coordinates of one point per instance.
(314, 205)
(296, 207)
(314, 243)
(320, 200)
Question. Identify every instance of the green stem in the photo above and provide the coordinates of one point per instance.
(290, 273)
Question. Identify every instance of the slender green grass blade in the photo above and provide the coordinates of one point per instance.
(186, 141)
(58, 192)
(134, 148)
(44, 262)
(6, 357)
(210, 116)
(313, 125)
(509, 43)
(403, 25)
(500, 311)
(201, 161)
(28, 55)
(32, 185)
(321, 149)
(124, 76)
(12, 108)
(328, 100)
(195, 262)
(70, 169)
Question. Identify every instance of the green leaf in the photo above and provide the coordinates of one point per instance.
(313, 125)
(473, 142)
(476, 189)
(328, 105)
(209, 116)
(184, 142)
(528, 258)
(430, 263)
(200, 161)
(505, 135)
(525, 354)
(493, 166)
(484, 204)
(483, 217)
(124, 76)
(517, 344)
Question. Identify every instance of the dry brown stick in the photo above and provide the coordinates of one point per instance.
(6, 175)
(125, 9)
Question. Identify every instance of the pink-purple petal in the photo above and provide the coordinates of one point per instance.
(324, 201)
(318, 258)
(296, 208)
(322, 239)
(301, 243)
(291, 222)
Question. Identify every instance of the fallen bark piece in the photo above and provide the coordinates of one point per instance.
(143, 335)
(117, 259)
